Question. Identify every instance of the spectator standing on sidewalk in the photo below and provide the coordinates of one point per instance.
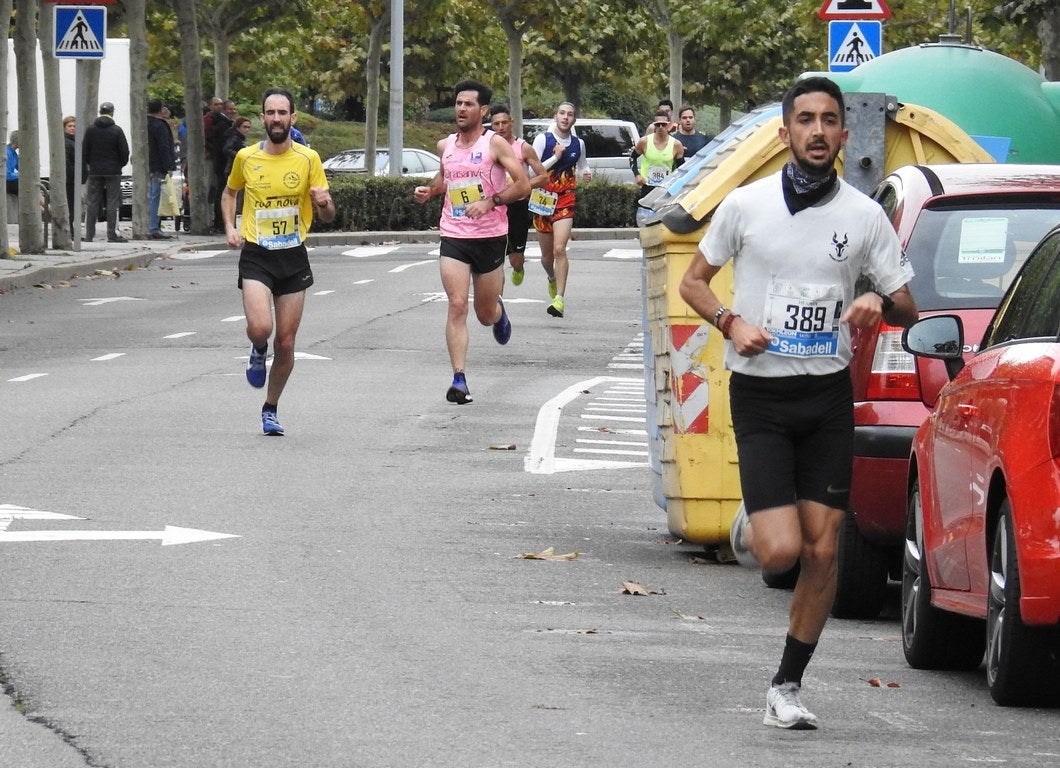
(799, 241)
(283, 187)
(70, 145)
(12, 164)
(161, 160)
(474, 224)
(104, 152)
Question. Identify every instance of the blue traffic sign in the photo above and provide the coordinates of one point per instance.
(80, 32)
(853, 42)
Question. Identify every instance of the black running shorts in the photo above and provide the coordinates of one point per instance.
(283, 271)
(484, 254)
(518, 225)
(794, 438)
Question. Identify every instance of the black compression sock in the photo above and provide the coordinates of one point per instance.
(797, 655)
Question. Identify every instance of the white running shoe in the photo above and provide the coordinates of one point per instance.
(784, 710)
(739, 549)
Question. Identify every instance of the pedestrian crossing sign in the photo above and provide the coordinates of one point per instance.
(80, 32)
(851, 43)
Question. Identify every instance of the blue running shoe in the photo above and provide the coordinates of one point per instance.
(256, 366)
(269, 425)
(502, 329)
(459, 393)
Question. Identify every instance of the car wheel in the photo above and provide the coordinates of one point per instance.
(1020, 669)
(862, 574)
(932, 639)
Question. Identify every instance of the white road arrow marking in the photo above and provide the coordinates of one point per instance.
(623, 253)
(97, 302)
(171, 535)
(403, 267)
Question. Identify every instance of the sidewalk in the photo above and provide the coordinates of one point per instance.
(24, 271)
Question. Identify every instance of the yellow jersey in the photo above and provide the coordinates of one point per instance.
(277, 207)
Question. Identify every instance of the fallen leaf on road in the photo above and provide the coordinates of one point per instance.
(503, 447)
(175, 285)
(548, 554)
(874, 682)
(633, 588)
(685, 616)
(45, 286)
(893, 684)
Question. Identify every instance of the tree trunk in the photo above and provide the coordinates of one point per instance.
(515, 75)
(57, 206)
(572, 89)
(724, 112)
(5, 245)
(1049, 34)
(191, 64)
(371, 106)
(222, 43)
(30, 227)
(136, 18)
(676, 43)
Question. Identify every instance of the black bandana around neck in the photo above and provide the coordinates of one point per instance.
(801, 190)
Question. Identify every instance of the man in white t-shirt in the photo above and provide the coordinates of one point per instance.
(798, 242)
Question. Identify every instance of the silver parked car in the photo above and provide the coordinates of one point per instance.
(414, 162)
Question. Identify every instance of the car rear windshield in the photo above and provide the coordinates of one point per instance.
(966, 256)
(600, 140)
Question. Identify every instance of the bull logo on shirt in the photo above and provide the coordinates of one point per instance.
(839, 246)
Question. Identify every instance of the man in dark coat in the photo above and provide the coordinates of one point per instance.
(104, 153)
(161, 160)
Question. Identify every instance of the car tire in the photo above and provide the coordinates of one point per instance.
(932, 638)
(862, 574)
(1021, 670)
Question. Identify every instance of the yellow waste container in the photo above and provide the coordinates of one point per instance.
(693, 449)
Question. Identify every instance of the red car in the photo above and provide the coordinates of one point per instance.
(982, 536)
(966, 228)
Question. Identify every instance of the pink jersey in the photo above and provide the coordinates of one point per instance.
(471, 174)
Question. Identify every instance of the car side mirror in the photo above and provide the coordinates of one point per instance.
(940, 337)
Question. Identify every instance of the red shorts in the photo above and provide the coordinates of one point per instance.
(564, 210)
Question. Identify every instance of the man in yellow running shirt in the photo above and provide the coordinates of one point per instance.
(283, 186)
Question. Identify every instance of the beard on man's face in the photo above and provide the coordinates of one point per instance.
(278, 133)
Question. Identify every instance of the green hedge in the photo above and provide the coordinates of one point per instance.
(382, 203)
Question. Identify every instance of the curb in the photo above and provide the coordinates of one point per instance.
(55, 273)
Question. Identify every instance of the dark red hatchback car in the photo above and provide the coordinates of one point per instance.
(966, 229)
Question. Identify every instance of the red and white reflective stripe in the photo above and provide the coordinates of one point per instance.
(689, 393)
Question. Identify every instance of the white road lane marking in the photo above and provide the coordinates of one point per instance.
(105, 358)
(197, 255)
(364, 251)
(233, 319)
(180, 335)
(363, 282)
(541, 459)
(28, 377)
(623, 253)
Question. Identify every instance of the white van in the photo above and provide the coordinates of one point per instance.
(608, 143)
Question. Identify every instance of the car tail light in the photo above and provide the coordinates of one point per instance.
(893, 375)
(1054, 422)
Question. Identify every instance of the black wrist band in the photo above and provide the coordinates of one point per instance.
(888, 302)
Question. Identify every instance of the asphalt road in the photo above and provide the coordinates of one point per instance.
(369, 605)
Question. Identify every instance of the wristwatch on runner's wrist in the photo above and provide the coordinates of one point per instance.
(496, 200)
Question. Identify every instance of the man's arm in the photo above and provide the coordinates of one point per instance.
(540, 177)
(870, 307)
(503, 154)
(435, 186)
(748, 340)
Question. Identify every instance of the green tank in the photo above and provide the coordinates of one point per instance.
(1009, 109)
